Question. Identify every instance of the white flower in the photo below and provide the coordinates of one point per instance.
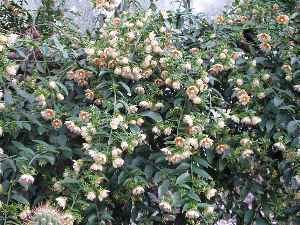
(255, 120)
(166, 151)
(280, 146)
(91, 196)
(297, 87)
(99, 157)
(156, 130)
(26, 179)
(187, 66)
(60, 97)
(188, 120)
(193, 142)
(206, 143)
(1, 151)
(192, 214)
(165, 206)
(96, 167)
(52, 85)
(61, 201)
(25, 214)
(266, 77)
(209, 210)
(235, 118)
(12, 38)
(211, 193)
(221, 124)
(246, 120)
(118, 162)
(138, 190)
(103, 194)
(239, 82)
(116, 152)
(244, 141)
(76, 165)
(247, 153)
(89, 51)
(115, 122)
(196, 100)
(11, 70)
(167, 131)
(176, 85)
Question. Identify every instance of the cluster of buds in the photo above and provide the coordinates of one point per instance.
(264, 39)
(71, 126)
(242, 96)
(192, 92)
(108, 5)
(87, 132)
(26, 180)
(99, 158)
(41, 101)
(192, 214)
(165, 206)
(222, 148)
(103, 194)
(48, 114)
(216, 68)
(80, 76)
(138, 190)
(11, 70)
(116, 122)
(251, 120)
(152, 45)
(206, 143)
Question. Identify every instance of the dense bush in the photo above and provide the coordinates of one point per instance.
(160, 118)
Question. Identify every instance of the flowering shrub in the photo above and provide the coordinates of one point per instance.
(163, 118)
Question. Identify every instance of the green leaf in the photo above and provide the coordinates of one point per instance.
(19, 198)
(292, 126)
(125, 86)
(183, 178)
(153, 115)
(248, 217)
(277, 101)
(8, 99)
(148, 171)
(202, 162)
(163, 188)
(210, 155)
(29, 152)
(194, 196)
(260, 221)
(200, 172)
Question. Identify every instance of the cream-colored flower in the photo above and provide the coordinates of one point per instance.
(211, 193)
(192, 214)
(91, 196)
(118, 162)
(57, 123)
(206, 143)
(165, 206)
(282, 19)
(103, 194)
(138, 190)
(48, 114)
(263, 37)
(61, 201)
(26, 179)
